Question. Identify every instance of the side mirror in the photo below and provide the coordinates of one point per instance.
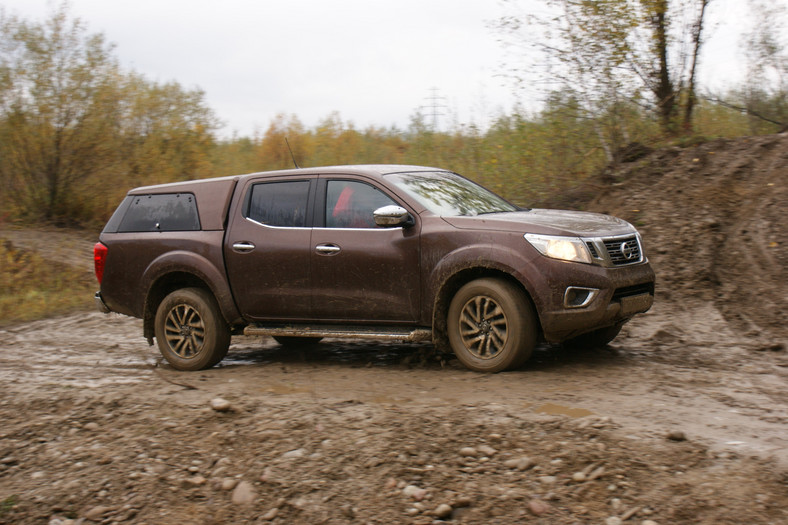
(392, 216)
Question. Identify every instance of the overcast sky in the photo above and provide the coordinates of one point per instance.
(375, 62)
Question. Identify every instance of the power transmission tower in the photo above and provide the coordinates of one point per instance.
(436, 104)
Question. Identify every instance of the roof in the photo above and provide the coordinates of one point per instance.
(359, 169)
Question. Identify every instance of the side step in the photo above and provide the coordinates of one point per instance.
(343, 332)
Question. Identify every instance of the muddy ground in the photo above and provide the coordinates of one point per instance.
(682, 419)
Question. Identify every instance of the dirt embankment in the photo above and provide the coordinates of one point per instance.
(715, 222)
(682, 419)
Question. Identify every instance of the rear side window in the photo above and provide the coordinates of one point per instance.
(161, 213)
(279, 203)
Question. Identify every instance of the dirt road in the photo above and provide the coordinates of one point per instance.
(95, 427)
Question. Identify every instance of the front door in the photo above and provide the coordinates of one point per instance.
(361, 272)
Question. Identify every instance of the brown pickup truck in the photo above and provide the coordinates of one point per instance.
(397, 252)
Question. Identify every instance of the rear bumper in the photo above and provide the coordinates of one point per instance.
(100, 304)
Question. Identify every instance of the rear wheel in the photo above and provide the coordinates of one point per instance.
(492, 325)
(190, 330)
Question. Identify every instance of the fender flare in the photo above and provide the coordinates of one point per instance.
(483, 257)
(181, 261)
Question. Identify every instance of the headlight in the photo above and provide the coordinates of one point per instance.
(564, 248)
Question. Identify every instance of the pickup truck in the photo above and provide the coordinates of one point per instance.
(396, 252)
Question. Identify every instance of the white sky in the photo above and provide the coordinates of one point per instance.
(374, 62)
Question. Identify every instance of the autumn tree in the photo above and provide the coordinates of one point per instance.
(165, 132)
(612, 54)
(76, 131)
(59, 94)
(285, 134)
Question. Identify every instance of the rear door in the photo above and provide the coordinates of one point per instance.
(361, 272)
(267, 248)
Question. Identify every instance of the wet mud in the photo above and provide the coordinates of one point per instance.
(93, 418)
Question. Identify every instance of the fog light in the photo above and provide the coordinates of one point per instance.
(577, 297)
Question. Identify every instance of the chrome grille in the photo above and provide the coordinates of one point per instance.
(623, 250)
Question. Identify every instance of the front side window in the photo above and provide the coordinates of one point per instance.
(279, 203)
(351, 204)
(163, 212)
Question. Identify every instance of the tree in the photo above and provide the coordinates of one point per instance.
(59, 94)
(610, 52)
(165, 132)
(765, 91)
(273, 151)
(653, 62)
(76, 131)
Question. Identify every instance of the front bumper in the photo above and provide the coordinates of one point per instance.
(100, 304)
(618, 295)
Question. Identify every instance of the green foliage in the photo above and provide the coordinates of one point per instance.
(764, 94)
(611, 53)
(7, 504)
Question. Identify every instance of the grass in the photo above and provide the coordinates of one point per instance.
(7, 504)
(32, 287)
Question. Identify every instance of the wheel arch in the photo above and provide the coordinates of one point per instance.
(457, 280)
(161, 288)
(186, 269)
(183, 269)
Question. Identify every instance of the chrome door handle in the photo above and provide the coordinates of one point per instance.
(327, 249)
(243, 246)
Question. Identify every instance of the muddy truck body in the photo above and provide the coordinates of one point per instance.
(395, 252)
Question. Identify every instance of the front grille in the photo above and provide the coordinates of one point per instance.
(624, 250)
(592, 249)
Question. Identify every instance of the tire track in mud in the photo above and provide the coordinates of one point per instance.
(728, 396)
(335, 432)
(85, 350)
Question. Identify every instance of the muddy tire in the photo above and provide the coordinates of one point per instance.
(491, 325)
(295, 341)
(595, 339)
(190, 330)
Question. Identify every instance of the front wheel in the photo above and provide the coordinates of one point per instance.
(190, 330)
(492, 325)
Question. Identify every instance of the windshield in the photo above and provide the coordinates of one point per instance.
(447, 194)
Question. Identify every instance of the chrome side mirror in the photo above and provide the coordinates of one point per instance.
(392, 216)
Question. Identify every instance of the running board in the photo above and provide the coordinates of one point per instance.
(342, 332)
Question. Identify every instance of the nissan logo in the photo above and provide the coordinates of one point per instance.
(629, 250)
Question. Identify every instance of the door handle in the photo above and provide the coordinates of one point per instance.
(243, 246)
(327, 249)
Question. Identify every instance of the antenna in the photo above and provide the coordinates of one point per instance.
(291, 154)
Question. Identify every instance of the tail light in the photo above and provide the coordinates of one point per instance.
(99, 259)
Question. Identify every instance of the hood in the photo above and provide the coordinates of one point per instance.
(546, 222)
